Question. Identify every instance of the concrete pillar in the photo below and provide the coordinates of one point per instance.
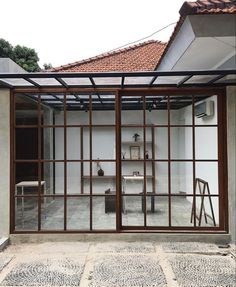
(231, 128)
(4, 162)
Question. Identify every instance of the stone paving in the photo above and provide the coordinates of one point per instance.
(118, 264)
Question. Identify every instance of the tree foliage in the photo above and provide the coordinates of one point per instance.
(6, 49)
(25, 57)
(47, 66)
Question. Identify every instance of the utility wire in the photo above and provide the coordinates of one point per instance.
(130, 43)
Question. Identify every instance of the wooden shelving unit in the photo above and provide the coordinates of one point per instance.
(151, 160)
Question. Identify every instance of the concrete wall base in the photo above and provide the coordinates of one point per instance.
(3, 243)
(85, 237)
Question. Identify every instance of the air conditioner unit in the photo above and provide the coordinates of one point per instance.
(205, 109)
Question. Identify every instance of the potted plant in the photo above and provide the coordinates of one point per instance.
(136, 137)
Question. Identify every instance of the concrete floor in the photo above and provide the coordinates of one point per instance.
(78, 213)
(118, 264)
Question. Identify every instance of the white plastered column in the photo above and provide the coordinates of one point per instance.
(231, 129)
(4, 162)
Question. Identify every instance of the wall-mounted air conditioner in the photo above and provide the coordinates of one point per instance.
(205, 109)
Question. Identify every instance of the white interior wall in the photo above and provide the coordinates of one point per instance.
(104, 147)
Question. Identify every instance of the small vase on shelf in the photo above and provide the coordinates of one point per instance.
(100, 172)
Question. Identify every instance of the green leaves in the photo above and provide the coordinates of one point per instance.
(25, 57)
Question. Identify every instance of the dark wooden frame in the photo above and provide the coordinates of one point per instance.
(222, 159)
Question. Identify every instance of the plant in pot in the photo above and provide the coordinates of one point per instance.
(99, 168)
(136, 137)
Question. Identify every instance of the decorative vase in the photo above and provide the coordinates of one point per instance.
(100, 172)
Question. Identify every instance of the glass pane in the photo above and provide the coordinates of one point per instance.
(181, 143)
(107, 80)
(182, 177)
(207, 173)
(47, 174)
(104, 113)
(59, 178)
(26, 110)
(26, 143)
(52, 214)
(78, 81)
(26, 213)
(206, 110)
(104, 177)
(181, 210)
(132, 177)
(78, 213)
(101, 218)
(161, 143)
(26, 172)
(132, 211)
(103, 143)
(181, 110)
(53, 143)
(156, 110)
(161, 177)
(74, 178)
(47, 111)
(132, 110)
(74, 143)
(46, 81)
(207, 211)
(158, 216)
(138, 80)
(206, 139)
(85, 148)
(85, 178)
(77, 109)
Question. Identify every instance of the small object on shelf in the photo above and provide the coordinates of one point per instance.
(134, 152)
(123, 155)
(136, 137)
(135, 173)
(100, 170)
(146, 154)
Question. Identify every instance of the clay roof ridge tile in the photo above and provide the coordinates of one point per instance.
(107, 54)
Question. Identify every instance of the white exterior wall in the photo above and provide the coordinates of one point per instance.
(4, 162)
(231, 121)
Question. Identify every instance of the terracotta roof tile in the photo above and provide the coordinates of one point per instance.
(140, 57)
(208, 7)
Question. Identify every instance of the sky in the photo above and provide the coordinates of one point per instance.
(65, 31)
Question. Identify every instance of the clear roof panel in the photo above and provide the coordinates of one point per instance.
(77, 81)
(227, 79)
(17, 82)
(107, 81)
(46, 81)
(202, 79)
(174, 80)
(138, 80)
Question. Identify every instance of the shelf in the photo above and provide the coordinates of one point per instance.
(135, 143)
(141, 159)
(99, 177)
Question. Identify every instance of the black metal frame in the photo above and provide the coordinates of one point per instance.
(60, 78)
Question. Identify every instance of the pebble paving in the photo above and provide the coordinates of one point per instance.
(46, 272)
(204, 270)
(190, 247)
(118, 264)
(126, 270)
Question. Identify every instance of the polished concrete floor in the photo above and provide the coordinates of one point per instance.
(78, 213)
